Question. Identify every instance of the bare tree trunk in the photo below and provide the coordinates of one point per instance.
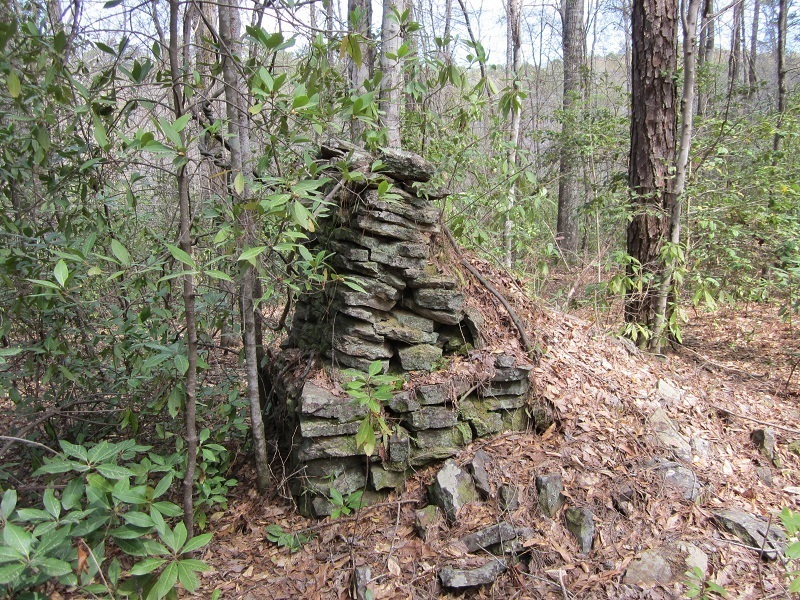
(239, 143)
(735, 59)
(359, 23)
(706, 52)
(391, 85)
(569, 187)
(653, 117)
(782, 25)
(752, 76)
(662, 315)
(190, 415)
(512, 73)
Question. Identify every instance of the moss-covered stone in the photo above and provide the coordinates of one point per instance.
(451, 437)
(514, 420)
(483, 421)
(382, 478)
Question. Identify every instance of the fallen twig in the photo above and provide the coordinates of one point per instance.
(754, 420)
(526, 342)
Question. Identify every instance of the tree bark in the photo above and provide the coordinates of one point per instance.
(239, 144)
(182, 178)
(513, 44)
(662, 315)
(653, 118)
(751, 71)
(359, 18)
(706, 51)
(569, 187)
(782, 23)
(735, 59)
(391, 84)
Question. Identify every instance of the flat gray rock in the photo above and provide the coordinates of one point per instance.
(753, 531)
(459, 579)
(548, 489)
(489, 536)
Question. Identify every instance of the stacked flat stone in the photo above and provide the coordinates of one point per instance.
(408, 309)
(408, 316)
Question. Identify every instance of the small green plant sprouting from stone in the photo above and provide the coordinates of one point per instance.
(344, 506)
(791, 521)
(371, 390)
(699, 586)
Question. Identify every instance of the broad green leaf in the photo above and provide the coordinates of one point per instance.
(166, 582)
(10, 573)
(61, 272)
(17, 538)
(180, 122)
(196, 542)
(213, 273)
(51, 503)
(114, 471)
(187, 576)
(375, 367)
(168, 508)
(351, 48)
(238, 183)
(365, 437)
(74, 450)
(102, 452)
(138, 519)
(158, 520)
(163, 485)
(181, 363)
(9, 554)
(54, 567)
(72, 494)
(100, 132)
(148, 565)
(121, 253)
(251, 253)
(14, 85)
(180, 535)
(52, 540)
(9, 503)
(181, 256)
(47, 284)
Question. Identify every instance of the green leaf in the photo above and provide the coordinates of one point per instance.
(168, 508)
(218, 275)
(794, 587)
(181, 363)
(196, 542)
(72, 494)
(166, 582)
(351, 48)
(375, 367)
(158, 520)
(102, 452)
(47, 284)
(114, 571)
(54, 567)
(365, 437)
(17, 538)
(238, 183)
(10, 573)
(74, 450)
(187, 576)
(9, 554)
(251, 253)
(100, 132)
(181, 256)
(51, 503)
(9, 503)
(180, 536)
(52, 540)
(14, 84)
(148, 565)
(61, 272)
(138, 519)
(163, 485)
(180, 122)
(121, 253)
(114, 471)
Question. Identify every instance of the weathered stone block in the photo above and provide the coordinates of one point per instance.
(402, 402)
(319, 402)
(355, 362)
(355, 346)
(382, 479)
(405, 166)
(440, 316)
(420, 357)
(439, 299)
(433, 394)
(329, 447)
(483, 421)
(510, 388)
(518, 373)
(451, 437)
(323, 507)
(399, 446)
(372, 225)
(412, 208)
(580, 523)
(393, 329)
(431, 417)
(514, 420)
(344, 325)
(312, 428)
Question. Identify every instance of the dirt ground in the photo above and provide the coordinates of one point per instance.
(735, 373)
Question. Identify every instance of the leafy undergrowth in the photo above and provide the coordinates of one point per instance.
(735, 372)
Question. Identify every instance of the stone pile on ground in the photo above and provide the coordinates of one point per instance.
(395, 304)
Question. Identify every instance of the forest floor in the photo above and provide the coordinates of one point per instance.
(735, 373)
